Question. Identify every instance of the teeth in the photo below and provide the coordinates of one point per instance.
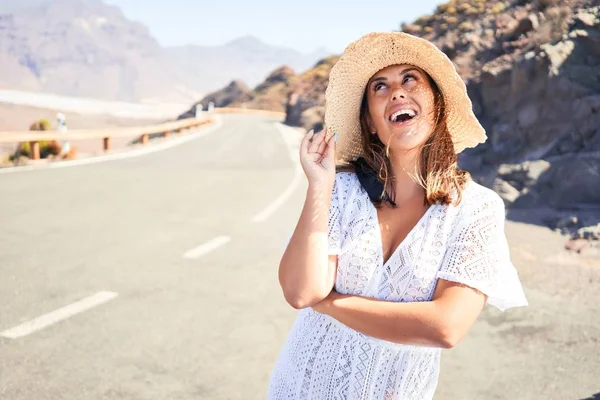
(408, 112)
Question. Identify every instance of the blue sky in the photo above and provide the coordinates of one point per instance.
(302, 25)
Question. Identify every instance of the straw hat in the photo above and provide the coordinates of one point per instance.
(370, 54)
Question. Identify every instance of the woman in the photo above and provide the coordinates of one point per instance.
(393, 259)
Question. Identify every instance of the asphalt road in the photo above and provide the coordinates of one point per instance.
(197, 322)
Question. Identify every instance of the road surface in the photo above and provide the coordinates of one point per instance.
(155, 277)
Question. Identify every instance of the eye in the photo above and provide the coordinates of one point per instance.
(409, 78)
(378, 86)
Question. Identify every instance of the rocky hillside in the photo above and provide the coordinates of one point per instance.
(300, 96)
(88, 48)
(532, 71)
(270, 95)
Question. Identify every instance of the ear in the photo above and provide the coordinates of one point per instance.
(370, 124)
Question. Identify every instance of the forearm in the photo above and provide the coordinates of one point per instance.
(411, 323)
(304, 268)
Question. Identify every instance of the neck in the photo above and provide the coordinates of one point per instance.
(405, 170)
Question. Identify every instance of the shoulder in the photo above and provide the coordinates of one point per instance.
(345, 181)
(349, 195)
(480, 200)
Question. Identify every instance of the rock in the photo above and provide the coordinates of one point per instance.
(524, 25)
(570, 145)
(508, 193)
(576, 246)
(593, 143)
(588, 233)
(523, 175)
(558, 53)
(296, 107)
(592, 42)
(236, 91)
(571, 181)
(586, 19)
(567, 222)
(528, 115)
(313, 118)
(280, 75)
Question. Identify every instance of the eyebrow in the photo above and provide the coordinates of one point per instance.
(383, 78)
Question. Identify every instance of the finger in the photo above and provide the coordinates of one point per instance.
(330, 150)
(306, 141)
(316, 142)
(323, 145)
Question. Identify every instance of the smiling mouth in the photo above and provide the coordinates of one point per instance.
(402, 116)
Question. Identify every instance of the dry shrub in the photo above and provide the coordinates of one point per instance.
(544, 4)
(452, 20)
(465, 26)
(498, 8)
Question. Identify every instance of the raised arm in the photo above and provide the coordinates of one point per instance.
(306, 272)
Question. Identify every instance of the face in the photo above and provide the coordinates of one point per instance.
(400, 107)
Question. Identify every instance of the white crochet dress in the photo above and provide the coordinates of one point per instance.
(324, 359)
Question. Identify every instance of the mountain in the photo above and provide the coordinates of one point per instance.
(88, 48)
(246, 59)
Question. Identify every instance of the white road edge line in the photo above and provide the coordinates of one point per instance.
(63, 313)
(293, 148)
(207, 247)
(167, 144)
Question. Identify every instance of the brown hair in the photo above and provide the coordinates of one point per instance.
(439, 174)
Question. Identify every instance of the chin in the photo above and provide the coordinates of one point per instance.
(406, 139)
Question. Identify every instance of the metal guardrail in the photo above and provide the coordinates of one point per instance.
(166, 129)
(35, 137)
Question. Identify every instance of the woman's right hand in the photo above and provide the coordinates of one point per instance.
(317, 157)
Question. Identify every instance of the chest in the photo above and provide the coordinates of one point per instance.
(395, 224)
(392, 256)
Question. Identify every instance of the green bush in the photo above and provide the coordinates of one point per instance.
(47, 147)
(41, 125)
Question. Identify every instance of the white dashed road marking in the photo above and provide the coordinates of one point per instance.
(207, 247)
(61, 314)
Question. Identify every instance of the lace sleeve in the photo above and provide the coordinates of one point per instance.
(478, 254)
(334, 225)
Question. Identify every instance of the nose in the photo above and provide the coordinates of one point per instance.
(398, 93)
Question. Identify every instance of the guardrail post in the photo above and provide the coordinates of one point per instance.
(34, 148)
(106, 141)
(144, 138)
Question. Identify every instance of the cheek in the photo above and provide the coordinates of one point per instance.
(426, 100)
(376, 108)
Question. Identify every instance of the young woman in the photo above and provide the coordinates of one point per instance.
(396, 254)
